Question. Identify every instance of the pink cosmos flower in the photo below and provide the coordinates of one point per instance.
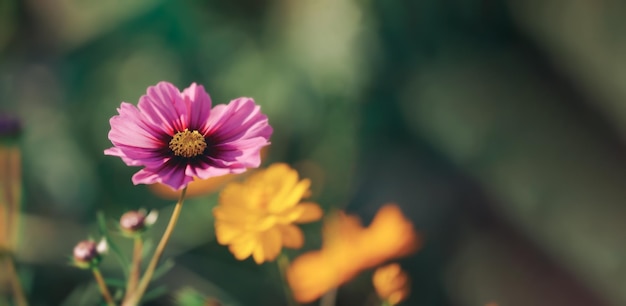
(176, 136)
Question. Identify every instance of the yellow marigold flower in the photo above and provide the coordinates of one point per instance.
(257, 217)
(391, 283)
(349, 248)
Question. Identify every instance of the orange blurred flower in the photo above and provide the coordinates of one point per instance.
(349, 248)
(257, 217)
(10, 182)
(391, 283)
(10, 193)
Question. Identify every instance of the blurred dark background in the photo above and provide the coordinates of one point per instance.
(497, 125)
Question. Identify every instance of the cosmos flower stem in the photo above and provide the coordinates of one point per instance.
(283, 263)
(135, 268)
(135, 297)
(18, 291)
(386, 303)
(103, 287)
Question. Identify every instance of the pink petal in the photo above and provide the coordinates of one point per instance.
(171, 175)
(134, 138)
(199, 103)
(204, 171)
(163, 106)
(130, 123)
(238, 130)
(242, 153)
(241, 118)
(115, 151)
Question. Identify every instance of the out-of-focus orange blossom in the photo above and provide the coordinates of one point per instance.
(10, 196)
(258, 217)
(201, 187)
(349, 248)
(391, 283)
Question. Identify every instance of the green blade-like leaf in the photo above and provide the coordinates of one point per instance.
(154, 293)
(4, 301)
(102, 226)
(86, 294)
(162, 269)
(148, 247)
(114, 282)
(189, 297)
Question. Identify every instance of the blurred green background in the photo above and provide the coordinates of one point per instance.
(497, 125)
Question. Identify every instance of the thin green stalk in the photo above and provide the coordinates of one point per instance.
(386, 303)
(103, 287)
(18, 291)
(135, 268)
(134, 299)
(283, 263)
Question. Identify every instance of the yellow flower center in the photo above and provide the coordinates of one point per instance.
(188, 144)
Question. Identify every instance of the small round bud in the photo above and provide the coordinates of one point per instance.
(133, 221)
(86, 254)
(85, 251)
(10, 126)
(137, 221)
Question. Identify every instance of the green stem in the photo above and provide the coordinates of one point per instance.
(135, 268)
(134, 299)
(283, 263)
(18, 291)
(103, 287)
(386, 303)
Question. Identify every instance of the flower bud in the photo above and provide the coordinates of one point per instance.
(136, 221)
(10, 127)
(132, 221)
(87, 254)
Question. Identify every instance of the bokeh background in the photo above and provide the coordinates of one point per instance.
(497, 125)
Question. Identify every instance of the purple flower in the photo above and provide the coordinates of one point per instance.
(176, 136)
(10, 126)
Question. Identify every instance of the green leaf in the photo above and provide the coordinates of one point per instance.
(119, 294)
(87, 294)
(102, 226)
(162, 269)
(154, 293)
(4, 301)
(148, 246)
(114, 282)
(189, 297)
